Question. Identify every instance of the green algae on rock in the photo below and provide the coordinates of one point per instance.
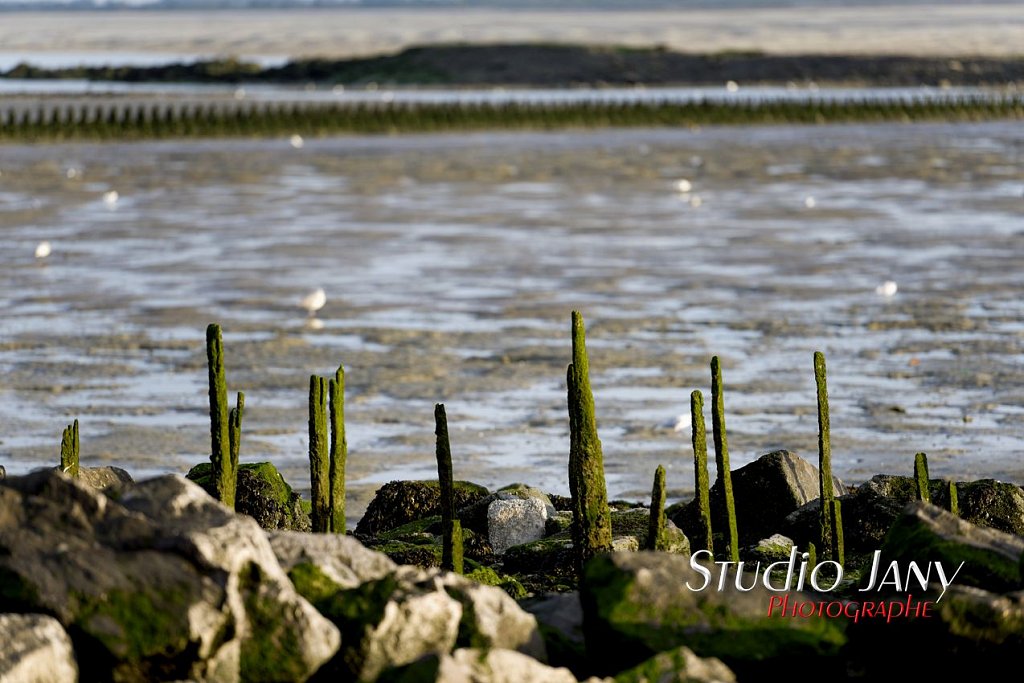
(262, 493)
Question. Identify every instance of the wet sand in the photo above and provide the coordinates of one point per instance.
(991, 30)
(451, 264)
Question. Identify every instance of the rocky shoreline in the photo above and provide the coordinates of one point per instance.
(155, 580)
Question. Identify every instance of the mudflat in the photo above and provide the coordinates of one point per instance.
(980, 30)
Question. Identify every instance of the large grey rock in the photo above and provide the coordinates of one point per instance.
(636, 605)
(765, 492)
(515, 521)
(475, 515)
(872, 508)
(925, 533)
(35, 648)
(342, 559)
(560, 619)
(680, 665)
(104, 478)
(163, 582)
(410, 613)
(467, 665)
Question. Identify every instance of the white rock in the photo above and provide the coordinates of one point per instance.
(343, 559)
(515, 521)
(35, 649)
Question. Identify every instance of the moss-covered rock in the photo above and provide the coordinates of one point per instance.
(262, 493)
(772, 549)
(400, 502)
(871, 509)
(477, 666)
(680, 665)
(926, 533)
(636, 605)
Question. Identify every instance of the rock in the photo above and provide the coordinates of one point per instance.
(163, 583)
(3, 472)
(926, 533)
(342, 559)
(400, 502)
(872, 508)
(35, 649)
(475, 515)
(467, 665)
(104, 478)
(262, 493)
(409, 613)
(516, 521)
(680, 665)
(636, 605)
(772, 549)
(560, 619)
(765, 492)
(630, 529)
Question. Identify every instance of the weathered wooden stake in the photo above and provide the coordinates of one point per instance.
(591, 516)
(825, 488)
(339, 451)
(656, 525)
(702, 482)
(69, 450)
(224, 476)
(921, 477)
(954, 502)
(722, 458)
(451, 548)
(838, 549)
(319, 460)
(235, 429)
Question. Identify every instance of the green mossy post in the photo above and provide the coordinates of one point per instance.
(838, 549)
(656, 526)
(220, 432)
(69, 450)
(954, 502)
(235, 432)
(591, 516)
(339, 451)
(702, 481)
(921, 477)
(825, 488)
(812, 557)
(451, 528)
(722, 457)
(319, 462)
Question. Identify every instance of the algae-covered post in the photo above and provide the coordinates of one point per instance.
(319, 465)
(592, 527)
(235, 429)
(921, 477)
(656, 525)
(827, 494)
(722, 458)
(954, 502)
(451, 548)
(812, 557)
(701, 479)
(224, 476)
(838, 548)
(69, 450)
(339, 450)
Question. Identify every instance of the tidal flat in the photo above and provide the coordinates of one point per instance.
(451, 263)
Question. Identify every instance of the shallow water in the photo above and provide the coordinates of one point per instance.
(451, 264)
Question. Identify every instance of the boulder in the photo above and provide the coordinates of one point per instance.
(400, 502)
(163, 583)
(680, 665)
(468, 665)
(560, 619)
(636, 605)
(342, 559)
(772, 549)
(35, 649)
(475, 515)
(764, 491)
(262, 493)
(872, 508)
(515, 521)
(104, 478)
(410, 613)
(925, 533)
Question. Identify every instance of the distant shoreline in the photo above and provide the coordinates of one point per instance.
(549, 65)
(992, 30)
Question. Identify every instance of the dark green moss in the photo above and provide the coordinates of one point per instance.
(702, 482)
(400, 502)
(732, 550)
(826, 491)
(339, 451)
(921, 477)
(220, 455)
(69, 450)
(262, 493)
(319, 457)
(272, 649)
